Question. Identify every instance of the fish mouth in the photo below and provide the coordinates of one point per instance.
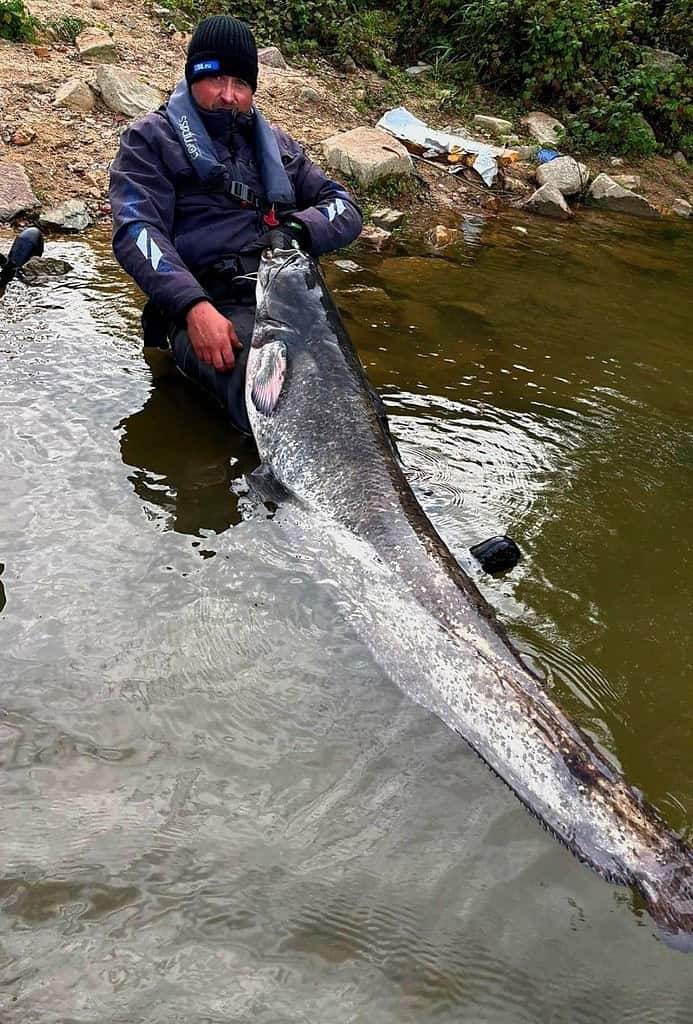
(272, 263)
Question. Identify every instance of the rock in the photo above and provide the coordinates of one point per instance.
(22, 137)
(616, 161)
(519, 230)
(543, 127)
(99, 5)
(627, 180)
(272, 56)
(123, 92)
(309, 95)
(348, 266)
(682, 208)
(565, 173)
(16, 194)
(606, 193)
(348, 65)
(43, 268)
(516, 185)
(375, 237)
(663, 59)
(93, 44)
(75, 95)
(443, 235)
(70, 216)
(385, 217)
(679, 159)
(159, 12)
(418, 69)
(548, 201)
(497, 125)
(367, 154)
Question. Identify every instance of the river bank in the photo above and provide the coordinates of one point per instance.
(60, 130)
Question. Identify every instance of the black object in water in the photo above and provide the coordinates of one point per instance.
(497, 554)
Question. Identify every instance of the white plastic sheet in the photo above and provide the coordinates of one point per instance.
(405, 126)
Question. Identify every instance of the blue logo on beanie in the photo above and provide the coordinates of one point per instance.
(206, 65)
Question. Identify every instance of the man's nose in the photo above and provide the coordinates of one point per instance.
(229, 92)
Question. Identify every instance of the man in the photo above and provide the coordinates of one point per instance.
(198, 189)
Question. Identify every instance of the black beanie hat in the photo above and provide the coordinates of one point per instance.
(222, 46)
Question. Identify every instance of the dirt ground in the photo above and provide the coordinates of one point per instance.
(67, 154)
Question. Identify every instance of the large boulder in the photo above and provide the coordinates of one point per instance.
(69, 216)
(125, 93)
(367, 154)
(548, 201)
(93, 44)
(16, 194)
(75, 95)
(272, 56)
(606, 193)
(543, 127)
(566, 174)
(682, 208)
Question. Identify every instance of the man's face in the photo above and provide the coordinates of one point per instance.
(222, 92)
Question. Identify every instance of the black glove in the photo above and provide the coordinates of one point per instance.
(290, 235)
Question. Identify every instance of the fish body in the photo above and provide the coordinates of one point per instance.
(317, 429)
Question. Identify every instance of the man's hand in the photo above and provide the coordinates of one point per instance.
(212, 336)
(289, 235)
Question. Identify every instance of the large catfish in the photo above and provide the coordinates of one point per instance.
(320, 437)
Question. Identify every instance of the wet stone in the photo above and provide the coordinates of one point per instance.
(682, 208)
(609, 195)
(387, 218)
(548, 201)
(69, 216)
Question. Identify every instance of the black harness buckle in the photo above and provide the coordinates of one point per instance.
(243, 194)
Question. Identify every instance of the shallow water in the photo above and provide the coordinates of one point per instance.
(215, 806)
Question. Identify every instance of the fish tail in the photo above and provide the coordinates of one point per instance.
(669, 899)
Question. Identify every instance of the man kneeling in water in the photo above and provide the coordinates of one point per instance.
(198, 189)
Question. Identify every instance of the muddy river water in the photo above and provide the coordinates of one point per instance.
(214, 806)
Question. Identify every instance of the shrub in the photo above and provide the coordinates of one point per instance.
(68, 27)
(665, 96)
(563, 48)
(16, 23)
(611, 125)
(676, 27)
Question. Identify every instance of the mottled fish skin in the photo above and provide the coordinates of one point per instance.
(421, 615)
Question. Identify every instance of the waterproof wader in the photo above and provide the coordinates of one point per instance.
(233, 295)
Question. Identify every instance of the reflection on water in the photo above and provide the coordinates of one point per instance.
(214, 805)
(185, 479)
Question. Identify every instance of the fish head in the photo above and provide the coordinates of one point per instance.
(295, 353)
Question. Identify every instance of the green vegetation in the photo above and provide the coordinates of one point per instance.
(68, 27)
(585, 59)
(16, 23)
(385, 192)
